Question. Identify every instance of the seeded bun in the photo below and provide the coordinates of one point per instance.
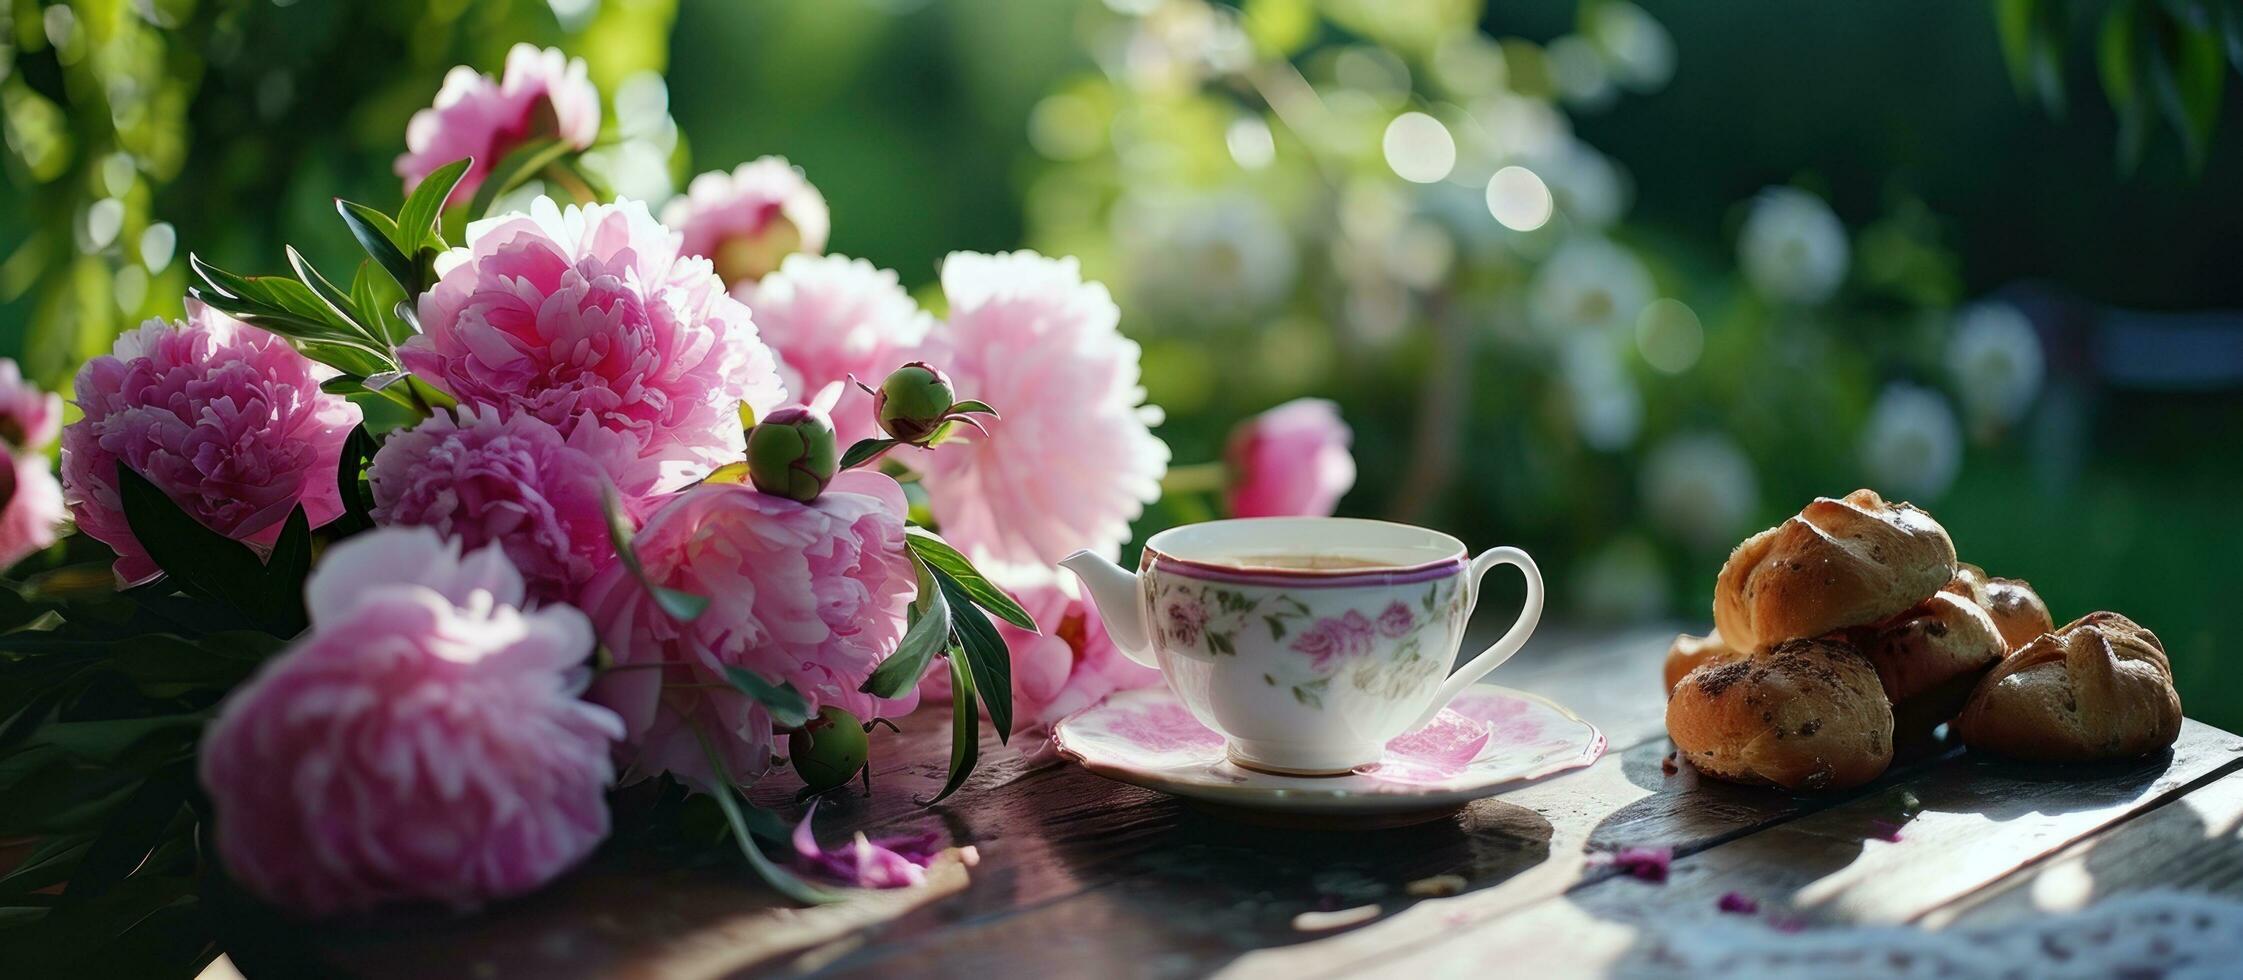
(1836, 564)
(1802, 715)
(1688, 653)
(2100, 688)
(2016, 609)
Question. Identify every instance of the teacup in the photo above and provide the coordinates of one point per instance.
(1306, 642)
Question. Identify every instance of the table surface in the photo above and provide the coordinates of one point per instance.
(1082, 877)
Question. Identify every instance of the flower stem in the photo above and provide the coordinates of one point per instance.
(1208, 477)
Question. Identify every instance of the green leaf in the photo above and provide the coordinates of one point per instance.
(682, 606)
(107, 741)
(972, 405)
(513, 170)
(926, 637)
(358, 449)
(788, 708)
(375, 295)
(946, 561)
(336, 302)
(2014, 21)
(865, 451)
(985, 653)
(416, 220)
(197, 559)
(133, 829)
(2190, 85)
(366, 226)
(285, 572)
(965, 728)
(47, 866)
(744, 835)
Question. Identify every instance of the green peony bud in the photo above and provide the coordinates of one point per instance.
(791, 453)
(829, 750)
(913, 404)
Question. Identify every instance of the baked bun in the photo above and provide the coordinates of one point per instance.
(1688, 653)
(1838, 563)
(1928, 661)
(1805, 714)
(2100, 688)
(2016, 609)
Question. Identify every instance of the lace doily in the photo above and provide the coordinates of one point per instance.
(2150, 934)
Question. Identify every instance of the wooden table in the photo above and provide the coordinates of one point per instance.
(1081, 877)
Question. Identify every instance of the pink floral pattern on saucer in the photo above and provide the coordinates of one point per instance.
(1490, 739)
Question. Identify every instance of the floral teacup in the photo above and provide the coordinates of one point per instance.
(1307, 643)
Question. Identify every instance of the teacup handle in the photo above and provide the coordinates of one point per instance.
(1506, 646)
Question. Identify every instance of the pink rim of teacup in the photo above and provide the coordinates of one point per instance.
(1204, 771)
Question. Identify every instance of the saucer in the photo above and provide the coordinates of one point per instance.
(1489, 740)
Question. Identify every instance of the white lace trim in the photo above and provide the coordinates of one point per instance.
(2151, 934)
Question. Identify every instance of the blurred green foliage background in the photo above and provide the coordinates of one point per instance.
(1603, 377)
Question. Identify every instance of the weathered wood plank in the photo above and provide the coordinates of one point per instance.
(2194, 843)
(1979, 821)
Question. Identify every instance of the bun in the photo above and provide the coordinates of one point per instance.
(1837, 564)
(1688, 653)
(1805, 714)
(2016, 609)
(2100, 688)
(1933, 655)
(1928, 661)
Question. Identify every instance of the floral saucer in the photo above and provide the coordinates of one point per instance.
(1489, 740)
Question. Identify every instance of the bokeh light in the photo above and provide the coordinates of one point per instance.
(1669, 336)
(1519, 199)
(1419, 148)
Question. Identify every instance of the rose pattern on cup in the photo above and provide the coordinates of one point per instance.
(1332, 646)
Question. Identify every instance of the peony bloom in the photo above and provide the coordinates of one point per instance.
(1071, 665)
(829, 317)
(1995, 359)
(1290, 461)
(1911, 445)
(1589, 283)
(1700, 487)
(1792, 248)
(808, 594)
(30, 504)
(515, 482)
(29, 418)
(226, 419)
(543, 93)
(424, 742)
(588, 316)
(1073, 460)
(747, 220)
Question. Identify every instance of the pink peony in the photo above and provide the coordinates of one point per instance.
(830, 317)
(589, 316)
(1290, 461)
(514, 482)
(226, 419)
(542, 93)
(746, 221)
(424, 742)
(29, 418)
(30, 504)
(808, 594)
(1073, 461)
(1071, 665)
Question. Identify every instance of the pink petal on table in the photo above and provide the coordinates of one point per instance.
(891, 862)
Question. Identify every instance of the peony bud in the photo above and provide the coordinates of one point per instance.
(791, 453)
(829, 750)
(913, 405)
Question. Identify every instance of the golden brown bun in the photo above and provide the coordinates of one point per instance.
(1805, 714)
(1688, 653)
(1838, 563)
(2017, 610)
(2100, 688)
(1928, 661)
